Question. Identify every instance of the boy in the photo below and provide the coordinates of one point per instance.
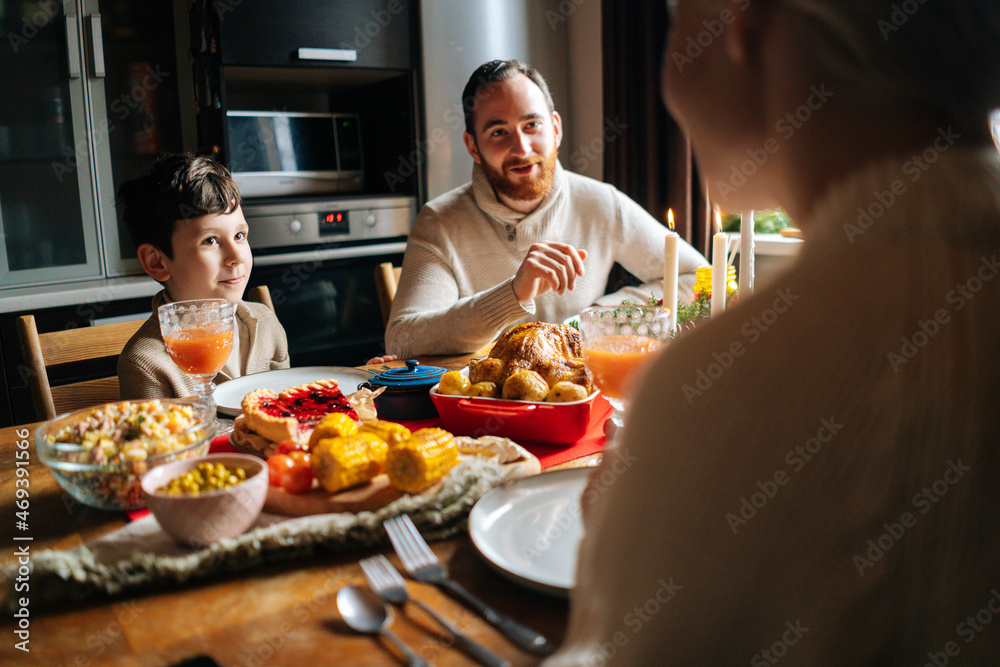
(185, 219)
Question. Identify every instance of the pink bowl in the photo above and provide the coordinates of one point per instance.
(202, 518)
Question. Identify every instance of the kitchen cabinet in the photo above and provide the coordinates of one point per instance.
(348, 33)
(101, 87)
(354, 57)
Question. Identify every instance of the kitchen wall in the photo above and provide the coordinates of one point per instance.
(560, 38)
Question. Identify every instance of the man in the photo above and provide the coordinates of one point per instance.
(525, 240)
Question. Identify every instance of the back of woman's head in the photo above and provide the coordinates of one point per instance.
(178, 187)
(943, 55)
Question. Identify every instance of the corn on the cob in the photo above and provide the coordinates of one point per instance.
(331, 426)
(421, 460)
(377, 447)
(391, 432)
(348, 460)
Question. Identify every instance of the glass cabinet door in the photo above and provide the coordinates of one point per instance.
(146, 106)
(48, 226)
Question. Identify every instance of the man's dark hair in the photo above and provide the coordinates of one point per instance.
(178, 187)
(493, 72)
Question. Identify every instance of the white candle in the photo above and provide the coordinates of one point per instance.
(670, 268)
(720, 267)
(746, 254)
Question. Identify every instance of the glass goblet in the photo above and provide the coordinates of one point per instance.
(618, 342)
(199, 337)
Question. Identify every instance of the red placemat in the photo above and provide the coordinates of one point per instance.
(548, 455)
(591, 442)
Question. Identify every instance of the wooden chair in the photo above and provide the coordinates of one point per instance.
(260, 294)
(386, 279)
(70, 346)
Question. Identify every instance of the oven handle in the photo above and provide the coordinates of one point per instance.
(330, 253)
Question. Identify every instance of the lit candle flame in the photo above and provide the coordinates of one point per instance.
(670, 219)
(718, 220)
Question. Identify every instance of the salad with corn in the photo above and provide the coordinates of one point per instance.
(129, 431)
(100, 454)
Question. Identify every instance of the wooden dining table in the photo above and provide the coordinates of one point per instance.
(269, 615)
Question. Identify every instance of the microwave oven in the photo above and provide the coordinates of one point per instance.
(280, 153)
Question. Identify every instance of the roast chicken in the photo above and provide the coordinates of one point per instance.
(553, 351)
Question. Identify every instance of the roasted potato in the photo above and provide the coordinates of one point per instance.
(565, 392)
(486, 389)
(453, 383)
(525, 385)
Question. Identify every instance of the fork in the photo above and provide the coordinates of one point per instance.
(389, 585)
(423, 565)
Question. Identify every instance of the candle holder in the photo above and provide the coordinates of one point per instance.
(703, 282)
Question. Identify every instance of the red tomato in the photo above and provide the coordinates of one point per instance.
(276, 466)
(298, 478)
(288, 446)
(299, 455)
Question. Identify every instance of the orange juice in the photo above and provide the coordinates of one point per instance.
(614, 361)
(199, 351)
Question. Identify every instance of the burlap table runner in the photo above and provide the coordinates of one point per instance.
(140, 557)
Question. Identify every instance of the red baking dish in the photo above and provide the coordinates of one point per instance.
(550, 423)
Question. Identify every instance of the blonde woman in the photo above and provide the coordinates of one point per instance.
(831, 498)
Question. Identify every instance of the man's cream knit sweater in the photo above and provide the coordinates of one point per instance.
(455, 293)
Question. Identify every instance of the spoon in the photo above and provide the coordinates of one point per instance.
(365, 612)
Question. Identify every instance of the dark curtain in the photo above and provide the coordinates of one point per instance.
(650, 160)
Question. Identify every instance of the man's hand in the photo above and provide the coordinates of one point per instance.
(548, 266)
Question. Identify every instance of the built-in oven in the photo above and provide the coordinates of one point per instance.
(318, 258)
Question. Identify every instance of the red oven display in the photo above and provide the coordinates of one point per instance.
(333, 222)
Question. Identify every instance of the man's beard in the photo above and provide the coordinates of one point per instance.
(535, 187)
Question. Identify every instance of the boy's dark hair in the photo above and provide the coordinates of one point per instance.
(178, 187)
(493, 72)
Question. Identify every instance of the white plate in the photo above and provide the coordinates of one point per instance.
(229, 395)
(530, 529)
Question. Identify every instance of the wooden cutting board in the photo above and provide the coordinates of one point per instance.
(371, 496)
